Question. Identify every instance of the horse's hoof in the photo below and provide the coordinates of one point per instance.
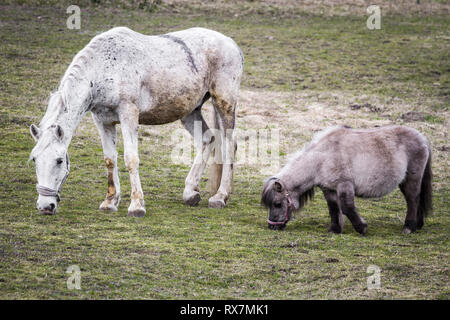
(136, 213)
(216, 203)
(193, 199)
(107, 206)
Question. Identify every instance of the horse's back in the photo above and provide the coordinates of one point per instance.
(165, 75)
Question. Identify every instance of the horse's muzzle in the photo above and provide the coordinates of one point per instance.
(48, 210)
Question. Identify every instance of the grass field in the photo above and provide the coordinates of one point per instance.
(305, 67)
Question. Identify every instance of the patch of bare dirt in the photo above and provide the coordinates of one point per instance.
(298, 116)
(319, 7)
(411, 116)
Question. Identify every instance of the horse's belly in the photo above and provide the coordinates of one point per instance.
(163, 114)
(169, 100)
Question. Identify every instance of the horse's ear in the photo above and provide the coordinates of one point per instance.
(277, 186)
(59, 132)
(35, 132)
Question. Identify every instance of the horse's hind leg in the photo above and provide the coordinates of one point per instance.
(346, 200)
(129, 120)
(225, 105)
(197, 127)
(108, 136)
(411, 189)
(337, 219)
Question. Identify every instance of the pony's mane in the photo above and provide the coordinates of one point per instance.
(316, 139)
(267, 196)
(306, 196)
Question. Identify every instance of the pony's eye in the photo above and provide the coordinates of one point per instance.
(277, 205)
(34, 159)
(59, 161)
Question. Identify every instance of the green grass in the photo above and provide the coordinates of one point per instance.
(181, 252)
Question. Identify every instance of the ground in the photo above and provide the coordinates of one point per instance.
(306, 67)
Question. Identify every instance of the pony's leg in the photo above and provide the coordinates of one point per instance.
(204, 144)
(129, 120)
(337, 219)
(108, 136)
(411, 189)
(226, 111)
(346, 200)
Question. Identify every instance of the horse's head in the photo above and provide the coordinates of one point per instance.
(277, 199)
(52, 166)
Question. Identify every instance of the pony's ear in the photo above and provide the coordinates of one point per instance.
(59, 132)
(35, 132)
(277, 186)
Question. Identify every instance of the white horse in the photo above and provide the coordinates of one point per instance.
(126, 77)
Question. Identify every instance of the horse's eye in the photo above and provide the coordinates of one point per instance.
(59, 160)
(277, 205)
(34, 159)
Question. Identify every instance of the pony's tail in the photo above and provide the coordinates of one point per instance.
(425, 200)
(215, 170)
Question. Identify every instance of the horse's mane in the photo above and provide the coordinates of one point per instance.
(55, 106)
(59, 100)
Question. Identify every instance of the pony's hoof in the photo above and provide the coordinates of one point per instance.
(191, 199)
(406, 230)
(136, 213)
(361, 228)
(419, 225)
(336, 229)
(409, 227)
(216, 203)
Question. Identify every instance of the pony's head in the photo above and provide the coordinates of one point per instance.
(281, 202)
(52, 165)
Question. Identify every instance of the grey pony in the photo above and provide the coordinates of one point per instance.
(345, 163)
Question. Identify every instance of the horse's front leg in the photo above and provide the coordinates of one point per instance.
(129, 120)
(108, 136)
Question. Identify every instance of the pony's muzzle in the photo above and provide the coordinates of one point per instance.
(277, 226)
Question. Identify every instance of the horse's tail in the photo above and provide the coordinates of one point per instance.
(425, 200)
(215, 170)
